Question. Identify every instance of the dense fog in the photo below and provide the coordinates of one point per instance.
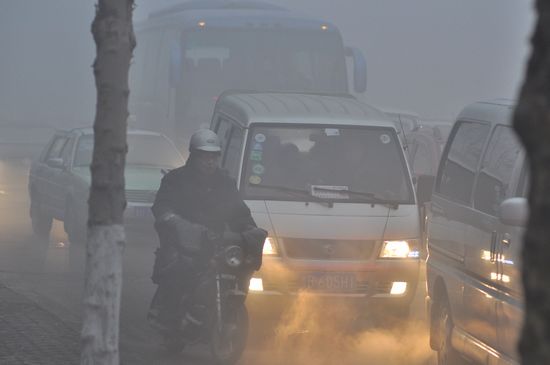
(423, 56)
(339, 186)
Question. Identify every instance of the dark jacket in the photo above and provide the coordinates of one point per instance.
(212, 202)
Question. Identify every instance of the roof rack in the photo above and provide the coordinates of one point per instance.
(216, 5)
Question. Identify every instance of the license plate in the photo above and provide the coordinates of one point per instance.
(329, 282)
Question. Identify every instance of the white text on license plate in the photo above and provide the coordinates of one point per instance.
(329, 282)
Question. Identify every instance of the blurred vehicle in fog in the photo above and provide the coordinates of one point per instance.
(190, 53)
(474, 231)
(327, 176)
(424, 146)
(59, 180)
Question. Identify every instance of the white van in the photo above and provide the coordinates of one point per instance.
(327, 177)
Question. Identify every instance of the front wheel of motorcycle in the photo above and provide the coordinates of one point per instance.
(228, 344)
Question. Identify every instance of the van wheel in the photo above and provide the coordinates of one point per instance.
(74, 227)
(41, 221)
(446, 354)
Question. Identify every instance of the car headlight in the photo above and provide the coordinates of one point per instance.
(399, 249)
(270, 248)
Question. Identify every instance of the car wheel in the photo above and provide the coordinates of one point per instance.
(40, 220)
(446, 354)
(74, 227)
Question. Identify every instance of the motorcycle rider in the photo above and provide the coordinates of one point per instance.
(194, 202)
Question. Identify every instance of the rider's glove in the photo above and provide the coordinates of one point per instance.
(187, 235)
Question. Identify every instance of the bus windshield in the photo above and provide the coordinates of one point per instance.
(216, 60)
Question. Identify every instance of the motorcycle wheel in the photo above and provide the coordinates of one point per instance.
(227, 347)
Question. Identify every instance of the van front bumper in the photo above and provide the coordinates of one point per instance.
(374, 284)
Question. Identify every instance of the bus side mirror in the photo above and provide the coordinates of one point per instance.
(359, 69)
(514, 212)
(424, 186)
(175, 64)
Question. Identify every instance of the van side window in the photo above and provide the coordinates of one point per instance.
(233, 152)
(456, 178)
(496, 170)
(524, 181)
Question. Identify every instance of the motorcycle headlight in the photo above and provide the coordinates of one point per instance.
(233, 256)
(270, 248)
(399, 249)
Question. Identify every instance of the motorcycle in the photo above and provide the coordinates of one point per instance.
(215, 313)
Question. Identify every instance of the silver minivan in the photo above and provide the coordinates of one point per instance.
(474, 230)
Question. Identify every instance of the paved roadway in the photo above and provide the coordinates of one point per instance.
(51, 274)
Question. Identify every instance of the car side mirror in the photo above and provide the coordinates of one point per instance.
(424, 186)
(514, 212)
(56, 163)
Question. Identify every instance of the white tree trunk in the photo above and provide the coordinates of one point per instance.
(114, 37)
(102, 298)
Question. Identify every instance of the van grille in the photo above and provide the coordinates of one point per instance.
(140, 196)
(315, 249)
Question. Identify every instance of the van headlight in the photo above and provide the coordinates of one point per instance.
(270, 247)
(399, 249)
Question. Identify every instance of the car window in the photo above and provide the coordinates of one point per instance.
(496, 170)
(233, 152)
(66, 154)
(56, 148)
(456, 179)
(139, 151)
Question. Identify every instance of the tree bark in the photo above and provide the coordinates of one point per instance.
(532, 123)
(113, 34)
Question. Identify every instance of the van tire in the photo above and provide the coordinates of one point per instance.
(41, 222)
(446, 354)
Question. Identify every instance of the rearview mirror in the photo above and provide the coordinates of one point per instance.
(56, 163)
(424, 186)
(514, 212)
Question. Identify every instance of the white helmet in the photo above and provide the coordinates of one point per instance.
(205, 140)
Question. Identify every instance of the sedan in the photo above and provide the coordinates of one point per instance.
(59, 180)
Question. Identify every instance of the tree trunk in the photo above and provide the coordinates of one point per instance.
(114, 37)
(532, 123)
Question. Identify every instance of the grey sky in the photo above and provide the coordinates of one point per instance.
(428, 56)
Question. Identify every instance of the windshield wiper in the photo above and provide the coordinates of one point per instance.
(296, 192)
(371, 197)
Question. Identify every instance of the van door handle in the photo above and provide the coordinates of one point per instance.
(493, 254)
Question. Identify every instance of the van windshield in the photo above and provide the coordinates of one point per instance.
(336, 163)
